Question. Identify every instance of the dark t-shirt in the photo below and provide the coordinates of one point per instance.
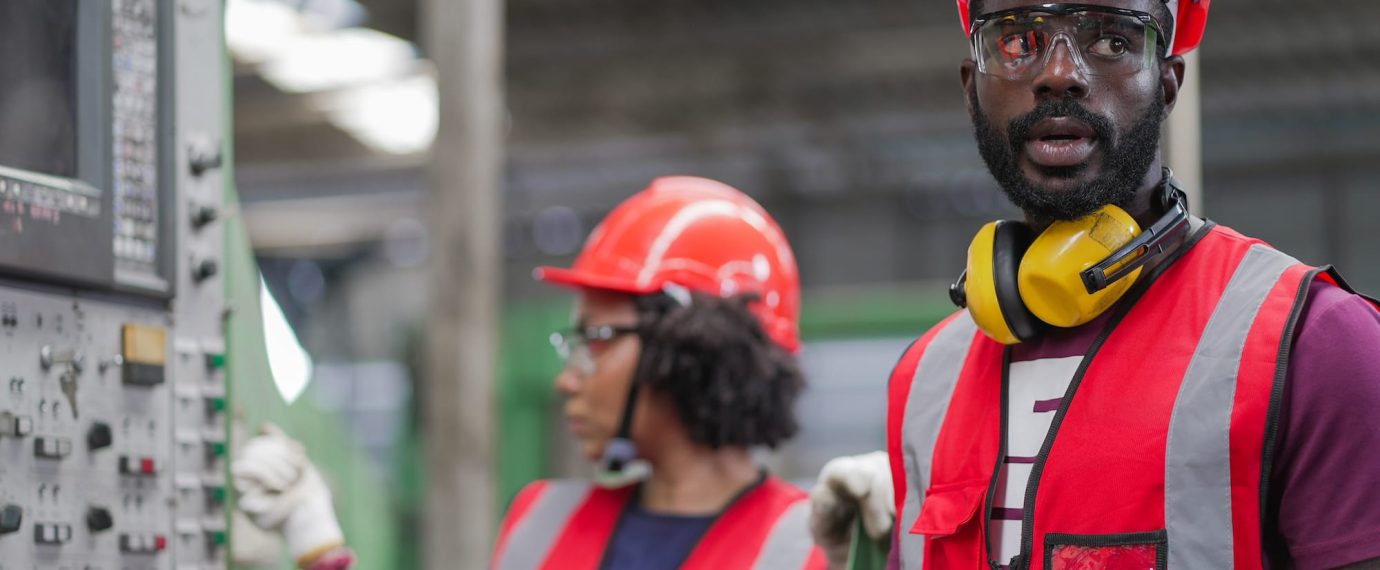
(651, 541)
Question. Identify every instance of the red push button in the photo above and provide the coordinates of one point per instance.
(143, 543)
(138, 465)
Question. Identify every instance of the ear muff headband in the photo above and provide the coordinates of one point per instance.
(1016, 286)
(1011, 242)
(1143, 248)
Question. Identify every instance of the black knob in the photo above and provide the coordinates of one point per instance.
(99, 436)
(203, 215)
(11, 518)
(98, 519)
(205, 269)
(203, 159)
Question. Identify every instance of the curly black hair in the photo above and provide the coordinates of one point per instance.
(728, 382)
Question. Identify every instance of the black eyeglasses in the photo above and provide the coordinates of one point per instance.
(1103, 40)
(574, 346)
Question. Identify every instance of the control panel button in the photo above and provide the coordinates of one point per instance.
(216, 493)
(215, 404)
(11, 518)
(130, 465)
(205, 269)
(99, 519)
(99, 436)
(52, 533)
(204, 157)
(143, 355)
(203, 215)
(52, 447)
(217, 537)
(215, 360)
(143, 543)
(16, 426)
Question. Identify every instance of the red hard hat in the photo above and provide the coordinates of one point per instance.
(1190, 20)
(697, 234)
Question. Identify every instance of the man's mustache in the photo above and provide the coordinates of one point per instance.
(1019, 128)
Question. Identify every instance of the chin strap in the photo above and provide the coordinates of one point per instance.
(619, 464)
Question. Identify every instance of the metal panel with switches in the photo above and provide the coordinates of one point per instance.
(111, 304)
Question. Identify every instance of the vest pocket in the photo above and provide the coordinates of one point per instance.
(1130, 551)
(948, 508)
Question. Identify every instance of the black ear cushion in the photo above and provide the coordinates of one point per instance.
(1009, 243)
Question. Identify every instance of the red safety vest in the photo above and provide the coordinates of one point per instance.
(1159, 452)
(567, 525)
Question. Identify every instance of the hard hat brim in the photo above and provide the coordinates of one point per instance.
(575, 279)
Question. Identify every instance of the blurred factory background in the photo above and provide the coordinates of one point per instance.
(845, 119)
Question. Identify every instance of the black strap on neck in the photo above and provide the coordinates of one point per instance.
(1150, 243)
(620, 451)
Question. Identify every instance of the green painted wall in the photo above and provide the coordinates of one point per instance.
(365, 505)
(369, 511)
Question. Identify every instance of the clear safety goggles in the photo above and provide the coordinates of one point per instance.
(1103, 41)
(579, 348)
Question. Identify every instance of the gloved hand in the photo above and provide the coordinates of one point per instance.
(850, 487)
(281, 490)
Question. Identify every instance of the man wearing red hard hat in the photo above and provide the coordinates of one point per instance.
(680, 360)
(1128, 385)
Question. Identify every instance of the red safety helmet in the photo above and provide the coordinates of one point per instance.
(1190, 20)
(697, 234)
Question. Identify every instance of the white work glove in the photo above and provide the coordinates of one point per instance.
(281, 490)
(851, 487)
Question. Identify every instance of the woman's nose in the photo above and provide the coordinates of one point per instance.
(567, 381)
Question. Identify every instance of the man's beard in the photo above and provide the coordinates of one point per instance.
(1124, 164)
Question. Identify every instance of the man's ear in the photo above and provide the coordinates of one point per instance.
(967, 74)
(1171, 79)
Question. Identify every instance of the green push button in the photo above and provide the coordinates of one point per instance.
(217, 493)
(218, 537)
(217, 448)
(216, 403)
(215, 360)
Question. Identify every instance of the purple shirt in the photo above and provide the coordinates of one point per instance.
(1324, 503)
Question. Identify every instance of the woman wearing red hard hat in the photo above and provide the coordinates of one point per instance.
(679, 362)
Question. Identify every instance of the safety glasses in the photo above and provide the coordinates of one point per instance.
(579, 347)
(1103, 41)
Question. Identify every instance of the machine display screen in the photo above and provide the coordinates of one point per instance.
(38, 86)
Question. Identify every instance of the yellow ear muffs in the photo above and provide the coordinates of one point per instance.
(992, 292)
(1049, 280)
(1015, 285)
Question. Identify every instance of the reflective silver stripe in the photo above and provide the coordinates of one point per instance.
(534, 536)
(1197, 471)
(933, 385)
(789, 545)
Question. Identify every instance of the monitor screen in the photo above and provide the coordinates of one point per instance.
(38, 86)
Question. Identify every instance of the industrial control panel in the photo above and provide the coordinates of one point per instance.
(113, 436)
